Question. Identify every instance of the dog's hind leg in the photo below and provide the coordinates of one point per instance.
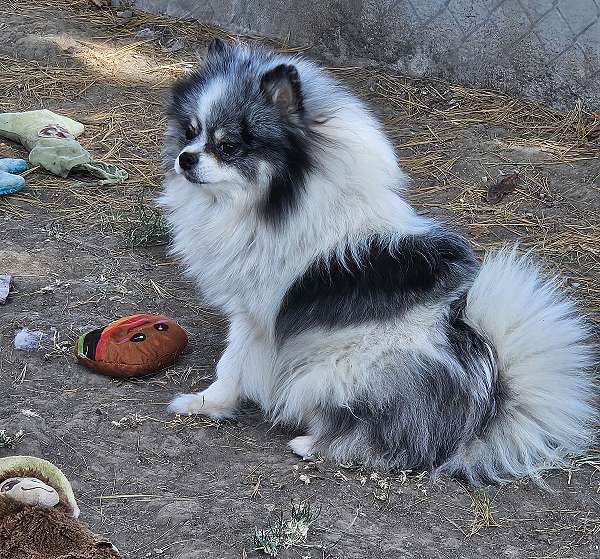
(302, 446)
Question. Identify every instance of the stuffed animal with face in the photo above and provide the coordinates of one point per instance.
(39, 515)
(132, 346)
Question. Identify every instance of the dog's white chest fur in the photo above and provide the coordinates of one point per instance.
(223, 253)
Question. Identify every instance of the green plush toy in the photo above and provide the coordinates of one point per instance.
(50, 138)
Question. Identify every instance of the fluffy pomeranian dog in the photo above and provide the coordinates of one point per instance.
(374, 330)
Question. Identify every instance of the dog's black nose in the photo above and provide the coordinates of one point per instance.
(187, 160)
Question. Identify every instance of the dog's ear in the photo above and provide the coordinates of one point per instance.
(217, 47)
(281, 87)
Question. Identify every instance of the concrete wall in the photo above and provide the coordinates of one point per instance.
(543, 49)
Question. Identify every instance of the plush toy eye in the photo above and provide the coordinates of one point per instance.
(161, 327)
(9, 484)
(228, 149)
(139, 337)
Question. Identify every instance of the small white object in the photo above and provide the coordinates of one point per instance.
(5, 281)
(302, 446)
(28, 340)
(304, 479)
(30, 491)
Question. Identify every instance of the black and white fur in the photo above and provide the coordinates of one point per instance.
(373, 329)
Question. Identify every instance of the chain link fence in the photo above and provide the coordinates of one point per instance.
(544, 49)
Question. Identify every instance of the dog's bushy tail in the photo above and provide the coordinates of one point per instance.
(546, 391)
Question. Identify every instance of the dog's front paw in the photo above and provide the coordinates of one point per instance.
(201, 403)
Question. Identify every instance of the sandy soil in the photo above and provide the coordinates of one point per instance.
(188, 487)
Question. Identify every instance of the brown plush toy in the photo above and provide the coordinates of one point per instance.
(132, 346)
(38, 515)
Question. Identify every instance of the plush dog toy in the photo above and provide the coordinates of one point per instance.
(38, 515)
(132, 346)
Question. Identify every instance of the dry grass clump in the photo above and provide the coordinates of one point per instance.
(481, 507)
(285, 533)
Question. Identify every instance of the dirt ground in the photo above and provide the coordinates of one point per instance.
(81, 255)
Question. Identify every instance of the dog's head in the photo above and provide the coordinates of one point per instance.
(238, 124)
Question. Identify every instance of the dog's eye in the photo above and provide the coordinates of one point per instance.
(228, 149)
(191, 132)
(161, 327)
(139, 337)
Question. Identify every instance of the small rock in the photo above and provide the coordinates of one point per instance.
(5, 281)
(28, 340)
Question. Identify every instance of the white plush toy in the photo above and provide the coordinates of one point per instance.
(30, 491)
